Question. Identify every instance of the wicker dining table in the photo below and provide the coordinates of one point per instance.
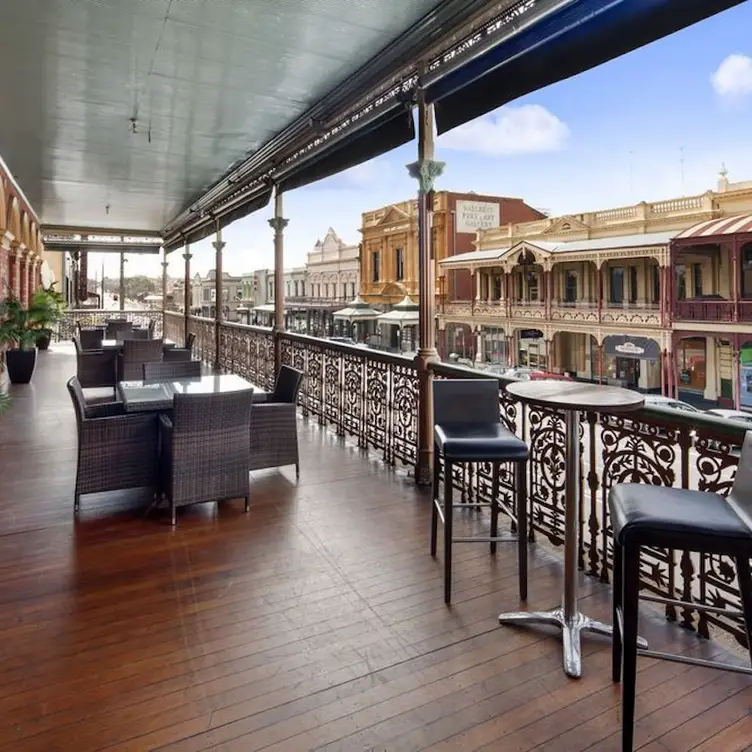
(149, 396)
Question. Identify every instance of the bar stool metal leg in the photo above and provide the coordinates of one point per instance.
(629, 613)
(616, 619)
(448, 520)
(435, 499)
(521, 483)
(745, 586)
(494, 504)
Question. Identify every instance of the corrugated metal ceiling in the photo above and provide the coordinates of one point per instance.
(206, 81)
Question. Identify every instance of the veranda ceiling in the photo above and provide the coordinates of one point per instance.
(206, 82)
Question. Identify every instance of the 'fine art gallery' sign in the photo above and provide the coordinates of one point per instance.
(476, 215)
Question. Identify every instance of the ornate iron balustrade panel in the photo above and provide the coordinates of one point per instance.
(66, 327)
(203, 329)
(247, 351)
(173, 326)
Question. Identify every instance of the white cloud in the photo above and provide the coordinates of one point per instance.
(365, 174)
(527, 129)
(733, 77)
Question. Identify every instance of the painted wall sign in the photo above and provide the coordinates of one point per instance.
(477, 215)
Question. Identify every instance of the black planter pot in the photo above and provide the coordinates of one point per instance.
(20, 365)
(43, 343)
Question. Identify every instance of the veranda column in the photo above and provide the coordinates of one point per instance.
(425, 171)
(164, 291)
(187, 293)
(5, 252)
(278, 224)
(218, 293)
(735, 253)
(31, 275)
(122, 282)
(23, 275)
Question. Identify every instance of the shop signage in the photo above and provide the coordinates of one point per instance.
(531, 334)
(621, 346)
(476, 215)
(629, 348)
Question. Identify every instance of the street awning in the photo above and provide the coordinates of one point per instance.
(716, 227)
(357, 310)
(623, 346)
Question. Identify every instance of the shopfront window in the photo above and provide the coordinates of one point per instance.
(681, 282)
(691, 364)
(616, 279)
(570, 289)
(494, 345)
(745, 374)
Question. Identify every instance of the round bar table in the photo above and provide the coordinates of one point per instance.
(571, 398)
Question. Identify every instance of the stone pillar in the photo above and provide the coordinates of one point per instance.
(31, 276)
(425, 171)
(218, 294)
(122, 282)
(479, 342)
(278, 224)
(711, 369)
(187, 292)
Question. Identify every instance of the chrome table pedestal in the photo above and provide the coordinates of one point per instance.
(571, 397)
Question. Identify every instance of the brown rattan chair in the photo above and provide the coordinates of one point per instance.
(90, 339)
(136, 334)
(115, 450)
(186, 369)
(274, 424)
(175, 354)
(205, 448)
(95, 369)
(116, 328)
(136, 352)
(189, 340)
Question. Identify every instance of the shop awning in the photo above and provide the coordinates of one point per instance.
(640, 348)
(714, 227)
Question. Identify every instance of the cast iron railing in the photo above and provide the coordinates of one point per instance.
(66, 327)
(373, 398)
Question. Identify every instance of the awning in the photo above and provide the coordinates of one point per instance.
(714, 227)
(405, 313)
(357, 310)
(640, 348)
(577, 37)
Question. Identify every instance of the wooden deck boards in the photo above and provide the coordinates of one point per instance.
(316, 621)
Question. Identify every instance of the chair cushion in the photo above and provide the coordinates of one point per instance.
(479, 442)
(657, 510)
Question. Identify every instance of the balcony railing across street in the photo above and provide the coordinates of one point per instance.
(373, 398)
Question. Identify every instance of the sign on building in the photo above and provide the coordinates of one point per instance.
(476, 215)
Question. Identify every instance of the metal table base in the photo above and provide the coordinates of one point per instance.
(568, 617)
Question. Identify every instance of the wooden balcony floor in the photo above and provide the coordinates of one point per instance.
(316, 621)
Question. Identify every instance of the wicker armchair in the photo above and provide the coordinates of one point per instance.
(116, 328)
(90, 339)
(274, 425)
(189, 340)
(135, 334)
(136, 352)
(115, 450)
(187, 369)
(95, 369)
(176, 354)
(205, 448)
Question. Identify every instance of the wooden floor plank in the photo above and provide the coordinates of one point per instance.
(315, 621)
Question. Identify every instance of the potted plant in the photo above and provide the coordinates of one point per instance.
(48, 304)
(19, 331)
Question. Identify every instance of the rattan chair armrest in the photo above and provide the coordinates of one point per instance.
(105, 410)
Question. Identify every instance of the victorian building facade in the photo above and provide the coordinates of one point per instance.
(389, 248)
(651, 296)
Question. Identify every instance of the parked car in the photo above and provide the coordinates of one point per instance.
(658, 401)
(523, 373)
(736, 415)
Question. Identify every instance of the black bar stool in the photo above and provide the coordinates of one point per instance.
(468, 428)
(643, 515)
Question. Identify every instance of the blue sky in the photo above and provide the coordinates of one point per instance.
(609, 137)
